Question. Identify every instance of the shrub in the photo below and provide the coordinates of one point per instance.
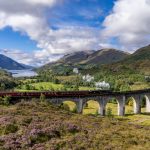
(27, 121)
(130, 102)
(86, 105)
(27, 87)
(72, 128)
(1, 101)
(41, 88)
(109, 112)
(6, 100)
(113, 101)
(75, 109)
(97, 112)
(65, 107)
(10, 128)
(42, 98)
(40, 138)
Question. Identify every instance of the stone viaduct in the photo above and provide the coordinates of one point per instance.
(80, 98)
(103, 100)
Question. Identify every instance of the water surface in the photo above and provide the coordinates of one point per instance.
(22, 73)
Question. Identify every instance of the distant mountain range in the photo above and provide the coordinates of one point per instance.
(111, 59)
(10, 64)
(100, 57)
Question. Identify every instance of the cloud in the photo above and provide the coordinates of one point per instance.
(72, 38)
(29, 17)
(41, 2)
(129, 22)
(58, 42)
(33, 58)
(91, 13)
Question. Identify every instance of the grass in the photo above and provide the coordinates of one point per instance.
(41, 86)
(57, 87)
(82, 88)
(67, 78)
(93, 107)
(71, 105)
(34, 125)
(49, 86)
(140, 85)
(142, 119)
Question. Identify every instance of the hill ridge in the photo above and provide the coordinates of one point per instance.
(10, 64)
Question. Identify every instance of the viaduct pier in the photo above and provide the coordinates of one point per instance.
(80, 98)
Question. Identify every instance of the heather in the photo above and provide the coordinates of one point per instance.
(43, 126)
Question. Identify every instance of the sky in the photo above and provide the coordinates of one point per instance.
(36, 32)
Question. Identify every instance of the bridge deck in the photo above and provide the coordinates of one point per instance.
(62, 94)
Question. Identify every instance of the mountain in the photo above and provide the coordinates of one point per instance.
(107, 59)
(141, 54)
(138, 61)
(75, 58)
(10, 64)
(104, 56)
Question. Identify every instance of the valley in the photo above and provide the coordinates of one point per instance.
(74, 75)
(64, 128)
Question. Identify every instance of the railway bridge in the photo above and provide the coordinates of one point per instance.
(80, 98)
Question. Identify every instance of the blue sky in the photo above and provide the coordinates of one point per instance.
(75, 12)
(37, 32)
(15, 40)
(82, 12)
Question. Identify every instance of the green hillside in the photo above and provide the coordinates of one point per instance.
(127, 74)
(105, 56)
(112, 59)
(141, 54)
(139, 61)
(85, 58)
(6, 80)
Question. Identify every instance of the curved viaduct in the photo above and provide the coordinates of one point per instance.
(80, 98)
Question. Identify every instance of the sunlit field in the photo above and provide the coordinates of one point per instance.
(49, 86)
(93, 107)
(140, 85)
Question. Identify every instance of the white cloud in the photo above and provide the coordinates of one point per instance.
(35, 58)
(41, 2)
(69, 39)
(129, 22)
(92, 13)
(28, 17)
